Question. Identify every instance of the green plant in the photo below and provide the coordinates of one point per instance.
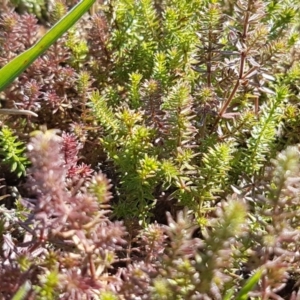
(13, 152)
(191, 110)
(37, 7)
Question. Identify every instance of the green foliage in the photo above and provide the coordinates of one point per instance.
(103, 112)
(198, 156)
(128, 148)
(108, 296)
(178, 105)
(135, 81)
(214, 174)
(47, 289)
(37, 7)
(282, 14)
(189, 106)
(78, 47)
(22, 292)
(263, 133)
(12, 151)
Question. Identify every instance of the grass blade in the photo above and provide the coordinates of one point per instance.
(16, 66)
(249, 285)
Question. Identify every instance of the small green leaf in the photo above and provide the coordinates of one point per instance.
(14, 166)
(229, 294)
(22, 291)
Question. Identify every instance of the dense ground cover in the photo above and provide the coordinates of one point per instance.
(163, 162)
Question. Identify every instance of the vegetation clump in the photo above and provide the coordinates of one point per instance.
(155, 152)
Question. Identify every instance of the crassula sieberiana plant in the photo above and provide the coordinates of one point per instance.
(164, 159)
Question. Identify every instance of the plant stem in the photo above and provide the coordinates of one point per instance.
(243, 56)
